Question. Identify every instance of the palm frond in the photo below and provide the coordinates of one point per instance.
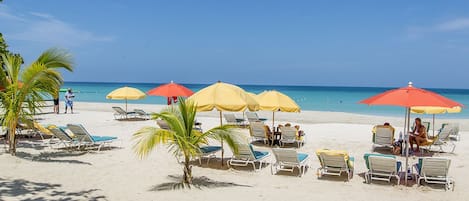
(56, 58)
(147, 138)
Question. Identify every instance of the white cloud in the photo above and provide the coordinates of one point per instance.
(453, 25)
(45, 28)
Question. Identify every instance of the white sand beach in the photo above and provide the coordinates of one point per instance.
(41, 173)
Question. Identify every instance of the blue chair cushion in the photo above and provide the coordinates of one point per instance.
(260, 154)
(210, 149)
(302, 157)
(419, 165)
(399, 163)
(102, 138)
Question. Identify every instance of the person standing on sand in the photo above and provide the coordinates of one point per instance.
(56, 102)
(69, 100)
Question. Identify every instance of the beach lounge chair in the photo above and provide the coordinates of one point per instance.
(247, 155)
(121, 114)
(231, 119)
(440, 140)
(335, 162)
(290, 135)
(434, 170)
(455, 133)
(66, 140)
(258, 131)
(85, 139)
(384, 136)
(142, 114)
(162, 124)
(288, 160)
(41, 130)
(382, 167)
(208, 152)
(252, 116)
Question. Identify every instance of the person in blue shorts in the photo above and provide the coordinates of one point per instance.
(69, 100)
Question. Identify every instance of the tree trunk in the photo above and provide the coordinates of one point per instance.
(187, 179)
(12, 140)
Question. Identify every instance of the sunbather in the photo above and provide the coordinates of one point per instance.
(418, 135)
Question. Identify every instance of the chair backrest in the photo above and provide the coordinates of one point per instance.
(61, 134)
(435, 167)
(230, 118)
(41, 128)
(119, 110)
(384, 135)
(288, 133)
(257, 129)
(333, 160)
(252, 116)
(455, 127)
(245, 152)
(162, 124)
(286, 156)
(366, 156)
(81, 134)
(382, 164)
(445, 132)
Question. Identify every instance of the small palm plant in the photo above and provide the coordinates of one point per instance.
(182, 140)
(23, 90)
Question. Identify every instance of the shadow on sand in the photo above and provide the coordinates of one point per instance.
(53, 157)
(197, 182)
(37, 191)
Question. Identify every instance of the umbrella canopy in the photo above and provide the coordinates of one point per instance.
(435, 110)
(126, 93)
(224, 97)
(409, 97)
(170, 91)
(276, 101)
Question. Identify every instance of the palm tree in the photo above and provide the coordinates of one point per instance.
(23, 90)
(182, 139)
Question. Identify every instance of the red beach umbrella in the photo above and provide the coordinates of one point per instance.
(171, 91)
(410, 97)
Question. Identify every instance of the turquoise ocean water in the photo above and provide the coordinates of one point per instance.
(318, 98)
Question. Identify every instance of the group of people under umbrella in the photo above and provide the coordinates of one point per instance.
(227, 97)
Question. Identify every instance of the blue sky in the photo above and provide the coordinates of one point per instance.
(333, 43)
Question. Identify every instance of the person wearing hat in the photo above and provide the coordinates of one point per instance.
(69, 100)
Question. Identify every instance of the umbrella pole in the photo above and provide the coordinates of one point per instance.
(433, 135)
(126, 108)
(222, 150)
(273, 121)
(406, 129)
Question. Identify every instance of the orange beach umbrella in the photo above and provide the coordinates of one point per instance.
(170, 91)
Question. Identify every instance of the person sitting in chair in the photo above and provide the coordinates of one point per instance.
(418, 135)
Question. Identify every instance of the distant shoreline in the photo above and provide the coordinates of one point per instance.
(263, 85)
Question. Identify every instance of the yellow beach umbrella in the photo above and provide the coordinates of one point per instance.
(434, 110)
(126, 93)
(223, 97)
(276, 101)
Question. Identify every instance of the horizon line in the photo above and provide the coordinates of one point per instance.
(288, 85)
